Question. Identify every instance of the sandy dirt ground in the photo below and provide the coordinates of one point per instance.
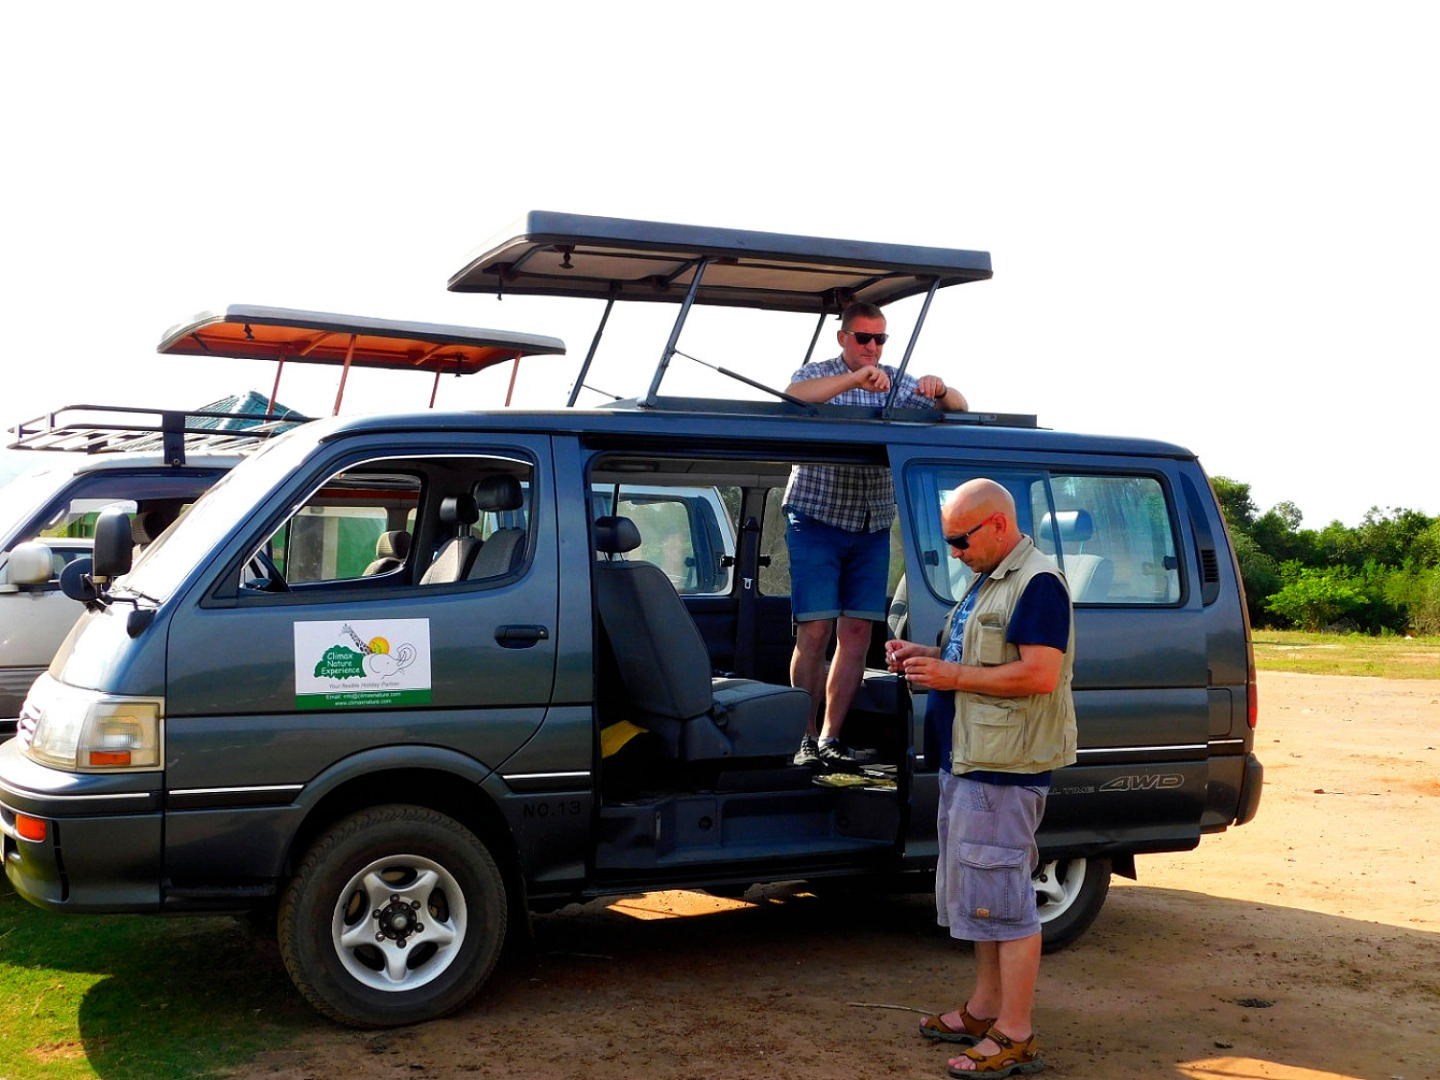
(1305, 944)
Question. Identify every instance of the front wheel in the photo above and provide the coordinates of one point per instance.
(1070, 893)
(396, 915)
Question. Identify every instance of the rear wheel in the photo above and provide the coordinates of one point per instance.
(396, 915)
(1070, 893)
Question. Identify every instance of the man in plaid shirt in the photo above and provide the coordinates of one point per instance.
(838, 532)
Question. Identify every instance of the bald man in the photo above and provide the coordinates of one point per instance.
(1001, 707)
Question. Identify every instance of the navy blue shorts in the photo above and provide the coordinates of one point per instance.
(835, 572)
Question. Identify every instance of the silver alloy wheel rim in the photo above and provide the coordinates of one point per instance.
(399, 923)
(1053, 895)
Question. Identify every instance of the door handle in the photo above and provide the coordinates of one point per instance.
(514, 636)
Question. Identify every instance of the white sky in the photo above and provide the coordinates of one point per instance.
(1214, 224)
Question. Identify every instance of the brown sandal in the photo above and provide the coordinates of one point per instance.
(970, 1031)
(1013, 1057)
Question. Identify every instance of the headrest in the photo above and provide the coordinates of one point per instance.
(616, 535)
(499, 492)
(1071, 525)
(146, 525)
(459, 510)
(394, 544)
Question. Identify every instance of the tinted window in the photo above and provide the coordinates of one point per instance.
(441, 512)
(686, 531)
(1114, 538)
(1111, 534)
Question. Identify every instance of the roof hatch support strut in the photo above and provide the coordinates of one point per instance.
(654, 391)
(345, 371)
(819, 325)
(909, 348)
(275, 390)
(594, 344)
(514, 371)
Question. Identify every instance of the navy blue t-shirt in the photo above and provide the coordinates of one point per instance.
(1041, 617)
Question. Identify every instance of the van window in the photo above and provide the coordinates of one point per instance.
(775, 554)
(328, 543)
(1115, 538)
(687, 531)
(427, 521)
(1113, 535)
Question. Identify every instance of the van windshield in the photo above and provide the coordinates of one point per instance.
(226, 506)
(26, 495)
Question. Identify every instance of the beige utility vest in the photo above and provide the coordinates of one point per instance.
(1028, 734)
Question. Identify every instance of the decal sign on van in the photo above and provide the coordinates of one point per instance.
(362, 663)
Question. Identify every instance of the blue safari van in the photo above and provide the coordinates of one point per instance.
(399, 762)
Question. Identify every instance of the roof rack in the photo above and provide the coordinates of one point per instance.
(735, 407)
(112, 429)
(610, 259)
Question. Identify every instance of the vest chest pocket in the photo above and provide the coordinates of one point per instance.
(991, 638)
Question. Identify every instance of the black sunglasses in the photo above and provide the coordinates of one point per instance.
(962, 542)
(862, 338)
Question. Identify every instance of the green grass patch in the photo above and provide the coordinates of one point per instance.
(1387, 657)
(136, 996)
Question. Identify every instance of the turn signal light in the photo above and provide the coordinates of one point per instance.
(29, 828)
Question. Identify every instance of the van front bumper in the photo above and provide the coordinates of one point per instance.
(101, 849)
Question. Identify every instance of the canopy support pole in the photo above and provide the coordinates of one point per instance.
(514, 370)
(909, 348)
(810, 352)
(344, 373)
(275, 390)
(669, 352)
(594, 344)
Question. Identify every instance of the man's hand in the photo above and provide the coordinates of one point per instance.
(897, 652)
(931, 386)
(929, 672)
(873, 379)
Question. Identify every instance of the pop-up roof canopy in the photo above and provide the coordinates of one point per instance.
(247, 332)
(551, 254)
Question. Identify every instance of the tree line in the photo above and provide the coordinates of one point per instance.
(1380, 577)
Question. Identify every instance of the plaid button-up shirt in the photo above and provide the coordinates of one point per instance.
(856, 498)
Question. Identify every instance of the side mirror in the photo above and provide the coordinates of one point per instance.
(75, 581)
(114, 548)
(31, 563)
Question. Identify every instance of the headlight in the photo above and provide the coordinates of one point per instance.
(87, 731)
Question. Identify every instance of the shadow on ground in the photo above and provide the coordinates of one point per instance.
(1167, 983)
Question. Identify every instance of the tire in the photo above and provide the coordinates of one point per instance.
(396, 915)
(1070, 893)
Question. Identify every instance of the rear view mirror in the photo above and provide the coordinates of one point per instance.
(113, 545)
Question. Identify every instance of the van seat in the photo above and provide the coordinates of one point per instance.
(390, 550)
(1068, 526)
(452, 562)
(504, 550)
(1088, 575)
(664, 667)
